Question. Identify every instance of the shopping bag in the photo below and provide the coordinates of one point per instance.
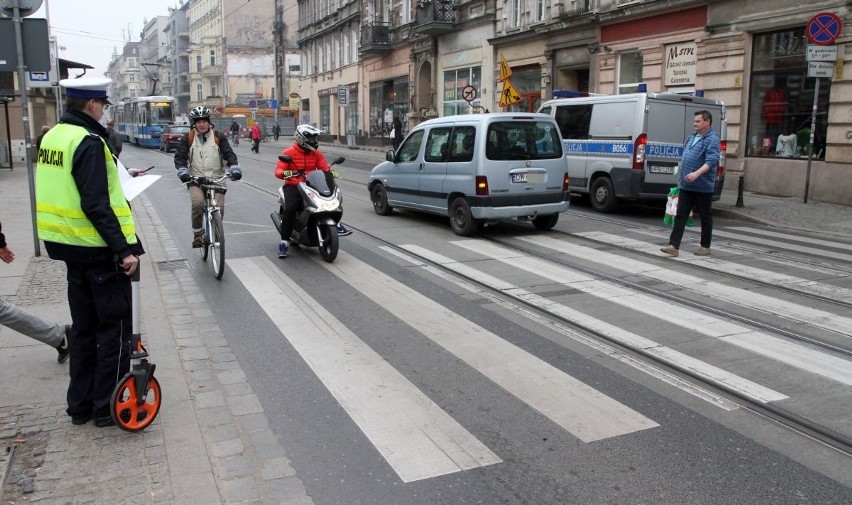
(671, 209)
(671, 206)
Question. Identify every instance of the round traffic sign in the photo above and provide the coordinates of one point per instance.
(469, 93)
(824, 28)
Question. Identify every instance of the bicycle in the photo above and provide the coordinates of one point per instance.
(213, 243)
(235, 139)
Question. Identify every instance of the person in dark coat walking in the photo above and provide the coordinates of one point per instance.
(276, 130)
(112, 139)
(397, 133)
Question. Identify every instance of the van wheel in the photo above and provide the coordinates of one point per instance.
(461, 220)
(545, 222)
(379, 196)
(602, 195)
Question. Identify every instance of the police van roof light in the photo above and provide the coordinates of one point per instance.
(699, 92)
(642, 88)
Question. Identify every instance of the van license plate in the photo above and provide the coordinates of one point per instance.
(519, 177)
(656, 169)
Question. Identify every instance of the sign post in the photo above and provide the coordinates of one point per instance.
(822, 30)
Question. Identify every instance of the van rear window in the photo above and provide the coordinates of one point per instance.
(523, 140)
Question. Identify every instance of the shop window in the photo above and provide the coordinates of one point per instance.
(454, 82)
(325, 113)
(781, 99)
(388, 100)
(629, 71)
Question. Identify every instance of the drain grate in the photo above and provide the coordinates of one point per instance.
(172, 265)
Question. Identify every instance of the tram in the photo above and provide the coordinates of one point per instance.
(141, 120)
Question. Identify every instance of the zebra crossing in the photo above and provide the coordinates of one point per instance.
(419, 440)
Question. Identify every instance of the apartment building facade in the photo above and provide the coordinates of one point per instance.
(365, 64)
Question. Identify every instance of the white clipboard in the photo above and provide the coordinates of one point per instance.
(133, 186)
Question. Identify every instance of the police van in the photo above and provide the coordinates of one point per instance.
(626, 147)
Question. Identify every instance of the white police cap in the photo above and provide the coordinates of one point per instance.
(86, 87)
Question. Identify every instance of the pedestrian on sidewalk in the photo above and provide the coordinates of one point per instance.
(397, 133)
(27, 323)
(696, 181)
(276, 131)
(113, 140)
(85, 221)
(255, 138)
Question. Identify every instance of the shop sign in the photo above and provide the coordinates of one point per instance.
(294, 100)
(681, 59)
(342, 96)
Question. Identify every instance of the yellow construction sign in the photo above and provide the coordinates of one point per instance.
(505, 69)
(509, 95)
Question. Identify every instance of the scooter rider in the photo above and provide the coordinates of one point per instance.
(306, 156)
(203, 152)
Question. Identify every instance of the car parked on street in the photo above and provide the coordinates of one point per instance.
(171, 136)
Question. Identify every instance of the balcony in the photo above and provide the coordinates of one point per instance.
(434, 17)
(214, 70)
(375, 38)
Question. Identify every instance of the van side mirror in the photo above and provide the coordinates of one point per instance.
(389, 156)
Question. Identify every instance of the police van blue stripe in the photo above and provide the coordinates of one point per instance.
(609, 148)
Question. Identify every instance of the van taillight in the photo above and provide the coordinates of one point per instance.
(566, 182)
(723, 148)
(639, 152)
(481, 185)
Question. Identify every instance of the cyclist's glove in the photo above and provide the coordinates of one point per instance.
(183, 174)
(335, 174)
(236, 173)
(287, 173)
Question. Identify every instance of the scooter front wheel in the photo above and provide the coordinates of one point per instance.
(127, 413)
(330, 242)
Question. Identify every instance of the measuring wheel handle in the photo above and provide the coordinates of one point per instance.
(137, 397)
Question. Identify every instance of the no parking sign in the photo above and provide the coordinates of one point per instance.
(824, 28)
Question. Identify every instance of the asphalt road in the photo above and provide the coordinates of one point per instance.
(377, 351)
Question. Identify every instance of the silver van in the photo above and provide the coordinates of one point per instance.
(626, 147)
(477, 168)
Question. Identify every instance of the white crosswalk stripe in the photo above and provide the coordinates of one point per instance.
(727, 267)
(416, 437)
(577, 407)
(712, 373)
(779, 307)
(810, 251)
(788, 238)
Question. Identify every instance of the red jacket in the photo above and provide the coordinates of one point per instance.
(255, 132)
(302, 160)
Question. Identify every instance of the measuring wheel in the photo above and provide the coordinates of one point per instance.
(132, 411)
(136, 398)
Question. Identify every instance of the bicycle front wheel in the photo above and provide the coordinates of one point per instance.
(205, 242)
(217, 245)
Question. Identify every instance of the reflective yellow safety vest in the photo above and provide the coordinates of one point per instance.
(59, 216)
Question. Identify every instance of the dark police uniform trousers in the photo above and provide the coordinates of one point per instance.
(99, 295)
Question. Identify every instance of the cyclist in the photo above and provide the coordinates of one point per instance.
(203, 152)
(306, 156)
(235, 132)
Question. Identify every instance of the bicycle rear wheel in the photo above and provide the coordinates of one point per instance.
(217, 245)
(205, 243)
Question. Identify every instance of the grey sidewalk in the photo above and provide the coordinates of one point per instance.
(211, 442)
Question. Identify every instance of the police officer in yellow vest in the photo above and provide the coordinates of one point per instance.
(85, 221)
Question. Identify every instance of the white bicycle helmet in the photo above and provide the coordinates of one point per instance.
(307, 137)
(199, 112)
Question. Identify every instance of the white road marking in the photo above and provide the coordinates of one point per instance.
(577, 407)
(782, 308)
(744, 386)
(788, 237)
(729, 267)
(544, 319)
(413, 434)
(810, 251)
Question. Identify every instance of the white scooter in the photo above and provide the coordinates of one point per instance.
(319, 214)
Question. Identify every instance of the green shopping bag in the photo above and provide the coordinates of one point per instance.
(671, 209)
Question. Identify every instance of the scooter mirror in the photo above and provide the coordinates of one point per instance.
(285, 158)
(340, 159)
